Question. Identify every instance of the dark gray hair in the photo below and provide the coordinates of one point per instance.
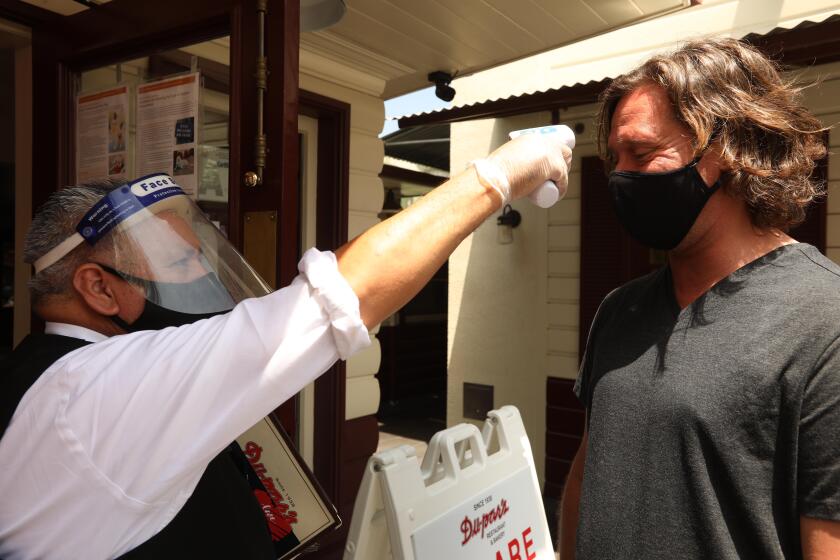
(54, 222)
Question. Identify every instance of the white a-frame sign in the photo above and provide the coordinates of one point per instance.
(475, 497)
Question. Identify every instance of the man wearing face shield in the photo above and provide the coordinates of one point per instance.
(162, 346)
(711, 386)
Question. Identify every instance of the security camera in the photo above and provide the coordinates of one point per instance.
(442, 88)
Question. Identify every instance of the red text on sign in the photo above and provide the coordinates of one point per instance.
(515, 551)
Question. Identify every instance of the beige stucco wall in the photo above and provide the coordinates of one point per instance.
(497, 297)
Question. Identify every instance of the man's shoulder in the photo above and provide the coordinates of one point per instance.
(819, 271)
(644, 289)
(811, 284)
(639, 287)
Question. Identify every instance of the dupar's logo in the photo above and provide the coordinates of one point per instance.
(151, 184)
(277, 512)
(479, 525)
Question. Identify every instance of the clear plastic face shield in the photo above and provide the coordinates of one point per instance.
(156, 238)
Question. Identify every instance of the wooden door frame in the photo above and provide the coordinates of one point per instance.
(342, 447)
(332, 185)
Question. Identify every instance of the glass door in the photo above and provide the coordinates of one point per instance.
(167, 112)
(102, 79)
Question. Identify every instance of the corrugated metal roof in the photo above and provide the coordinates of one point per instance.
(427, 145)
(611, 54)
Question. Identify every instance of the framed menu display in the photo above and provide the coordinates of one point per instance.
(295, 506)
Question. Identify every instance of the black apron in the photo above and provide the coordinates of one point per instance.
(221, 519)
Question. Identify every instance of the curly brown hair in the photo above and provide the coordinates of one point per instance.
(727, 91)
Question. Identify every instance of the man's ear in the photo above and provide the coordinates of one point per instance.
(96, 288)
(713, 165)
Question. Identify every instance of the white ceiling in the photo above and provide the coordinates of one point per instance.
(63, 7)
(471, 35)
(407, 39)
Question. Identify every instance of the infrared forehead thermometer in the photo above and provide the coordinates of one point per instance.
(547, 194)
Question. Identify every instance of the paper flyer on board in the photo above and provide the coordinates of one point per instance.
(167, 122)
(102, 134)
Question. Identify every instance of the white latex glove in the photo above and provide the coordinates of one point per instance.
(518, 167)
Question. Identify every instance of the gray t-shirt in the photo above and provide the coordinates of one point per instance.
(713, 428)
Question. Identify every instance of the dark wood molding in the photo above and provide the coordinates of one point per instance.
(101, 36)
(411, 176)
(215, 75)
(279, 190)
(565, 418)
(241, 124)
(283, 35)
(338, 452)
(28, 14)
(51, 127)
(333, 181)
(333, 118)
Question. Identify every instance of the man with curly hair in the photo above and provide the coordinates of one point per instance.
(712, 386)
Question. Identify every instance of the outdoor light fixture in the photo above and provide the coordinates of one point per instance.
(316, 15)
(442, 88)
(509, 219)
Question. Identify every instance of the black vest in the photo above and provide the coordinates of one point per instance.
(221, 519)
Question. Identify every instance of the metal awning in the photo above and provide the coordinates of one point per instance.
(428, 145)
(575, 74)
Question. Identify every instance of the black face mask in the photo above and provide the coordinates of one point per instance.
(658, 209)
(206, 292)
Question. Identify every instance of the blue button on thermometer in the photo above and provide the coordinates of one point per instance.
(547, 194)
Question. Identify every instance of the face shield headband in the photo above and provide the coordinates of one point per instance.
(119, 206)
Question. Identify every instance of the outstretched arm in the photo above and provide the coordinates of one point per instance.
(388, 264)
(570, 506)
(820, 538)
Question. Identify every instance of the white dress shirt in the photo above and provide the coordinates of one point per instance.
(109, 443)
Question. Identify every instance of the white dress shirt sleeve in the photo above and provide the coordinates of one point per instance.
(146, 412)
